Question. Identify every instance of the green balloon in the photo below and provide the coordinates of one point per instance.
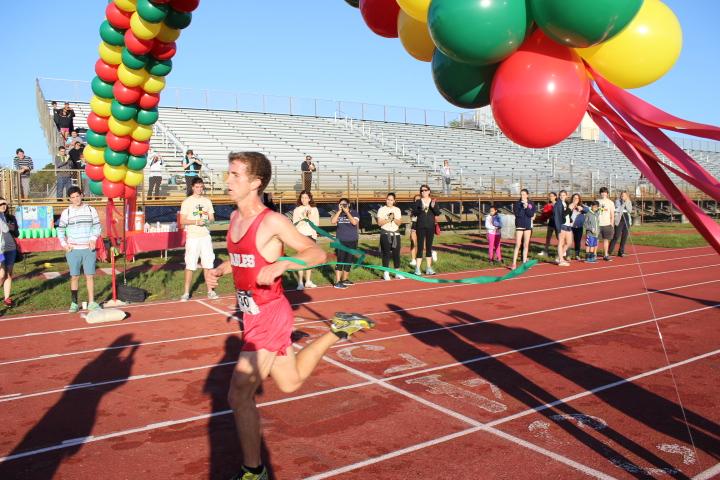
(53, 232)
(111, 35)
(96, 139)
(463, 85)
(102, 88)
(159, 67)
(478, 32)
(123, 112)
(582, 23)
(147, 117)
(137, 162)
(130, 60)
(150, 12)
(115, 158)
(96, 187)
(353, 3)
(177, 19)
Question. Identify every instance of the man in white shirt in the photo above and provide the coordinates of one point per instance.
(196, 214)
(607, 222)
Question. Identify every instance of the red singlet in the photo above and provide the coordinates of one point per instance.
(267, 315)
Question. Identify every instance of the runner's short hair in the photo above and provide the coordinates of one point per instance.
(257, 165)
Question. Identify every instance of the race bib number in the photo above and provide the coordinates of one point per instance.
(246, 304)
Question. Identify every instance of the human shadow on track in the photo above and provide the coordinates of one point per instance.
(72, 417)
(523, 389)
(637, 403)
(225, 452)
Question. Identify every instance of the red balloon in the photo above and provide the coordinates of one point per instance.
(127, 95)
(94, 172)
(97, 123)
(138, 148)
(116, 143)
(184, 5)
(381, 16)
(107, 73)
(116, 17)
(129, 192)
(113, 189)
(540, 93)
(149, 101)
(137, 45)
(164, 50)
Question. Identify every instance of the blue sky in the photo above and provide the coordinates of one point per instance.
(318, 48)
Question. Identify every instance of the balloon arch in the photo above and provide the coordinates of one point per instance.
(533, 61)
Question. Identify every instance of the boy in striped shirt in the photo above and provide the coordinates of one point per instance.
(78, 230)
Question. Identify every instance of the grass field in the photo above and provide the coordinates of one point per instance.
(462, 250)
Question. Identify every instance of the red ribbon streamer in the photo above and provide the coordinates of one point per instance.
(647, 119)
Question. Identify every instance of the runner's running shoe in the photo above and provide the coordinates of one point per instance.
(346, 324)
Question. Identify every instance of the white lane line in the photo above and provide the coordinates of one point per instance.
(153, 426)
(561, 272)
(157, 342)
(709, 473)
(489, 426)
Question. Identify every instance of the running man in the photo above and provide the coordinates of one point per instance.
(256, 240)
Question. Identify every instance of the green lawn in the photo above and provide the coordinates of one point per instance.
(457, 251)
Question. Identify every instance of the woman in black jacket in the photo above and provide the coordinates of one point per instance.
(425, 210)
(524, 211)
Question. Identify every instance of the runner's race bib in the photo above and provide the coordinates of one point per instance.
(246, 302)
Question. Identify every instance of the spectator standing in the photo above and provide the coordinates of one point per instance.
(623, 221)
(389, 219)
(493, 225)
(65, 121)
(191, 165)
(524, 211)
(24, 165)
(413, 233)
(56, 114)
(547, 214)
(592, 230)
(578, 220)
(78, 231)
(306, 209)
(156, 169)
(62, 173)
(9, 232)
(196, 213)
(607, 222)
(347, 221)
(562, 213)
(306, 171)
(425, 209)
(447, 177)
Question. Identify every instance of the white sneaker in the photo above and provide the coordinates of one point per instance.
(418, 272)
(300, 287)
(310, 284)
(413, 262)
(434, 256)
(541, 254)
(386, 275)
(399, 277)
(185, 297)
(212, 295)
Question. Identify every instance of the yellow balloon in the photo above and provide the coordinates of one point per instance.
(168, 34)
(100, 106)
(131, 77)
(115, 173)
(154, 84)
(127, 5)
(643, 52)
(142, 133)
(110, 54)
(415, 37)
(143, 29)
(417, 9)
(133, 178)
(94, 155)
(121, 128)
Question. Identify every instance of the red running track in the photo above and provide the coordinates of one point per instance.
(558, 374)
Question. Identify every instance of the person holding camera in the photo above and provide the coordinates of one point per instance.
(389, 219)
(425, 210)
(306, 210)
(306, 171)
(192, 165)
(347, 222)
